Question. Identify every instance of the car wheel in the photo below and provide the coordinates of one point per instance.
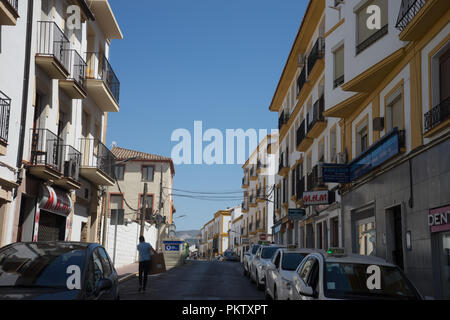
(267, 295)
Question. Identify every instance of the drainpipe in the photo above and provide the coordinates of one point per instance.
(26, 81)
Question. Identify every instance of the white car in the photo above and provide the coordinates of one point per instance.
(281, 270)
(259, 264)
(335, 275)
(248, 258)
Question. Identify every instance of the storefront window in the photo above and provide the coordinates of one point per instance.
(445, 264)
(366, 234)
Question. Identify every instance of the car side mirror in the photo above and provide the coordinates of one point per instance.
(306, 290)
(103, 285)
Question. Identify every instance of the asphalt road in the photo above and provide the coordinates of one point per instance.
(195, 280)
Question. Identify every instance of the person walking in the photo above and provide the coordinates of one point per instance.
(145, 255)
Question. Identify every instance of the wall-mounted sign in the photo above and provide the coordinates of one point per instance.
(296, 214)
(439, 219)
(277, 228)
(318, 197)
(55, 201)
(383, 150)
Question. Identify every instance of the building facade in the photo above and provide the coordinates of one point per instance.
(133, 170)
(258, 187)
(221, 225)
(68, 88)
(236, 229)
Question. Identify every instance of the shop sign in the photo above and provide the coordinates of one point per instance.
(296, 214)
(277, 228)
(55, 201)
(439, 219)
(318, 197)
(262, 236)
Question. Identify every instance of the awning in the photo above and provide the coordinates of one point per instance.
(55, 201)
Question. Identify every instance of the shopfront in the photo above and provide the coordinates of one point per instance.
(52, 221)
(439, 223)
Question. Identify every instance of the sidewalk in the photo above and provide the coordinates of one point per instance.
(128, 271)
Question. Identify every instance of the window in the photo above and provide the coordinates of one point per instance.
(339, 67)
(333, 147)
(95, 272)
(362, 141)
(149, 202)
(321, 151)
(444, 76)
(148, 173)
(105, 262)
(304, 271)
(366, 36)
(119, 171)
(116, 201)
(394, 110)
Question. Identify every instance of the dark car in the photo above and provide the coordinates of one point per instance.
(230, 256)
(57, 271)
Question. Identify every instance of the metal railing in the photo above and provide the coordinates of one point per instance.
(5, 108)
(317, 53)
(53, 42)
(317, 112)
(313, 180)
(300, 188)
(71, 161)
(437, 115)
(284, 118)
(301, 80)
(46, 148)
(96, 155)
(99, 68)
(14, 4)
(408, 11)
(77, 71)
(283, 162)
(244, 205)
(338, 81)
(370, 40)
(301, 133)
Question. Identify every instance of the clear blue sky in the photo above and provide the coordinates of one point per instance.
(211, 60)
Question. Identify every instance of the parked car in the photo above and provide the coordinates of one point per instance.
(281, 270)
(230, 256)
(335, 275)
(259, 264)
(248, 257)
(57, 271)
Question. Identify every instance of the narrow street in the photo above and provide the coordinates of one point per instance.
(196, 280)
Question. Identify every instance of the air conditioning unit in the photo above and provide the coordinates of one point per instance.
(378, 124)
(342, 158)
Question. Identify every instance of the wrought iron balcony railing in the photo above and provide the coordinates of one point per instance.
(370, 40)
(5, 108)
(437, 115)
(301, 133)
(46, 149)
(283, 161)
(408, 11)
(301, 80)
(300, 188)
(317, 53)
(99, 68)
(77, 67)
(71, 161)
(284, 118)
(338, 81)
(14, 4)
(317, 113)
(53, 42)
(96, 155)
(313, 180)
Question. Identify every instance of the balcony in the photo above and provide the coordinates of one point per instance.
(313, 181)
(317, 124)
(5, 107)
(97, 162)
(253, 176)
(245, 183)
(338, 81)
(372, 39)
(299, 189)
(74, 85)
(9, 12)
(244, 206)
(283, 167)
(317, 53)
(53, 54)
(437, 118)
(284, 119)
(102, 83)
(416, 17)
(45, 155)
(70, 167)
(301, 80)
(261, 195)
(303, 142)
(253, 203)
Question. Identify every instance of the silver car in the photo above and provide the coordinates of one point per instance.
(330, 276)
(281, 270)
(248, 258)
(259, 264)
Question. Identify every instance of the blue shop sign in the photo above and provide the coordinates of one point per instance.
(385, 149)
(296, 214)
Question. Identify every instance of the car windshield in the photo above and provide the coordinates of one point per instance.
(39, 265)
(254, 249)
(291, 261)
(350, 281)
(268, 252)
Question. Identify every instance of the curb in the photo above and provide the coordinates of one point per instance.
(125, 278)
